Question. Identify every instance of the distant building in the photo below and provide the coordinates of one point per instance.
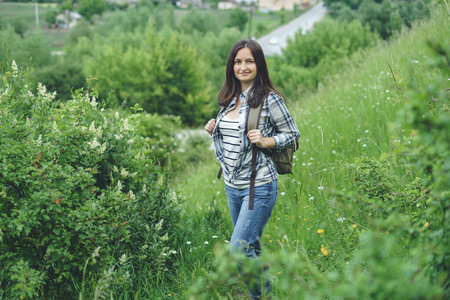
(276, 5)
(227, 4)
(67, 19)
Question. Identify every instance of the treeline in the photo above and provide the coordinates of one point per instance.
(385, 17)
(175, 66)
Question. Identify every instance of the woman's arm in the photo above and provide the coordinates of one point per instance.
(287, 131)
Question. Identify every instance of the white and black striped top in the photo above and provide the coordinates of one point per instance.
(229, 129)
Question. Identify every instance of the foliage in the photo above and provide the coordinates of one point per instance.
(238, 18)
(384, 17)
(32, 49)
(194, 20)
(62, 77)
(308, 59)
(155, 70)
(50, 17)
(79, 195)
(89, 8)
(159, 133)
(20, 26)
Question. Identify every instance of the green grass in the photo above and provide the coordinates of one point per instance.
(347, 118)
(10, 11)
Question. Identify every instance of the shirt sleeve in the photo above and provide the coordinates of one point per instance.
(286, 130)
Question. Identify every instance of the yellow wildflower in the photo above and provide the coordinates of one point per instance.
(355, 225)
(320, 231)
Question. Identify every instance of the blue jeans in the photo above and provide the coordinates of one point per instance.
(248, 229)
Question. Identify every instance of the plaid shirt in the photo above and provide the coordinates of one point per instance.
(276, 122)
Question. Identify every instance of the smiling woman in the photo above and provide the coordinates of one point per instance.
(251, 181)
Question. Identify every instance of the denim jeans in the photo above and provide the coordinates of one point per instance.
(248, 229)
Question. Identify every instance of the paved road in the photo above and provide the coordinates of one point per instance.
(277, 39)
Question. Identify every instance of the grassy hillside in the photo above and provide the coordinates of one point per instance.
(352, 117)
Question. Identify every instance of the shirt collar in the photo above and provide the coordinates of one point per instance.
(244, 95)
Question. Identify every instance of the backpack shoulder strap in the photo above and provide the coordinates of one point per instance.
(253, 117)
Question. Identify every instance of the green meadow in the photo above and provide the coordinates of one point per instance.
(352, 116)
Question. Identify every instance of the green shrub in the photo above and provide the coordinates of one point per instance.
(159, 132)
(78, 192)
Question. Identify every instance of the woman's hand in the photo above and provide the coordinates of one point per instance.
(210, 126)
(255, 137)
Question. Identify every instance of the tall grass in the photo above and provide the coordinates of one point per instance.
(352, 115)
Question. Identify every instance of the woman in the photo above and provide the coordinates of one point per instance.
(247, 84)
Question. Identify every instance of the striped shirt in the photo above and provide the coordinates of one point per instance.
(229, 129)
(276, 122)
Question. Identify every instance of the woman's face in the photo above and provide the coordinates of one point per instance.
(245, 67)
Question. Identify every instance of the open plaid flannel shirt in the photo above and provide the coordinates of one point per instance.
(276, 122)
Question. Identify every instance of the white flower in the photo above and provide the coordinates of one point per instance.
(125, 125)
(124, 173)
(123, 259)
(282, 193)
(15, 69)
(159, 225)
(116, 115)
(102, 149)
(174, 252)
(94, 143)
(132, 195)
(214, 236)
(119, 185)
(55, 126)
(334, 151)
(320, 187)
(367, 131)
(94, 103)
(364, 145)
(188, 242)
(165, 237)
(95, 254)
(118, 137)
(206, 242)
(39, 141)
(115, 169)
(311, 198)
(341, 220)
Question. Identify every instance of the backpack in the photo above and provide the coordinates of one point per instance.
(282, 160)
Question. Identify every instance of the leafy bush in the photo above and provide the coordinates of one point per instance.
(159, 132)
(33, 49)
(384, 17)
(309, 59)
(155, 70)
(194, 20)
(78, 192)
(238, 18)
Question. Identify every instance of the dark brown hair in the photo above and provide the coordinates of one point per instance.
(262, 85)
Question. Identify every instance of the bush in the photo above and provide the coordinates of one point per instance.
(77, 192)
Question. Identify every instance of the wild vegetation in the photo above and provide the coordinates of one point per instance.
(87, 211)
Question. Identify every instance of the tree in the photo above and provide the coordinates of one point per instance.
(238, 18)
(50, 17)
(89, 8)
(155, 70)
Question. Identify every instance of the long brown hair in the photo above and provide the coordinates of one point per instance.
(262, 85)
